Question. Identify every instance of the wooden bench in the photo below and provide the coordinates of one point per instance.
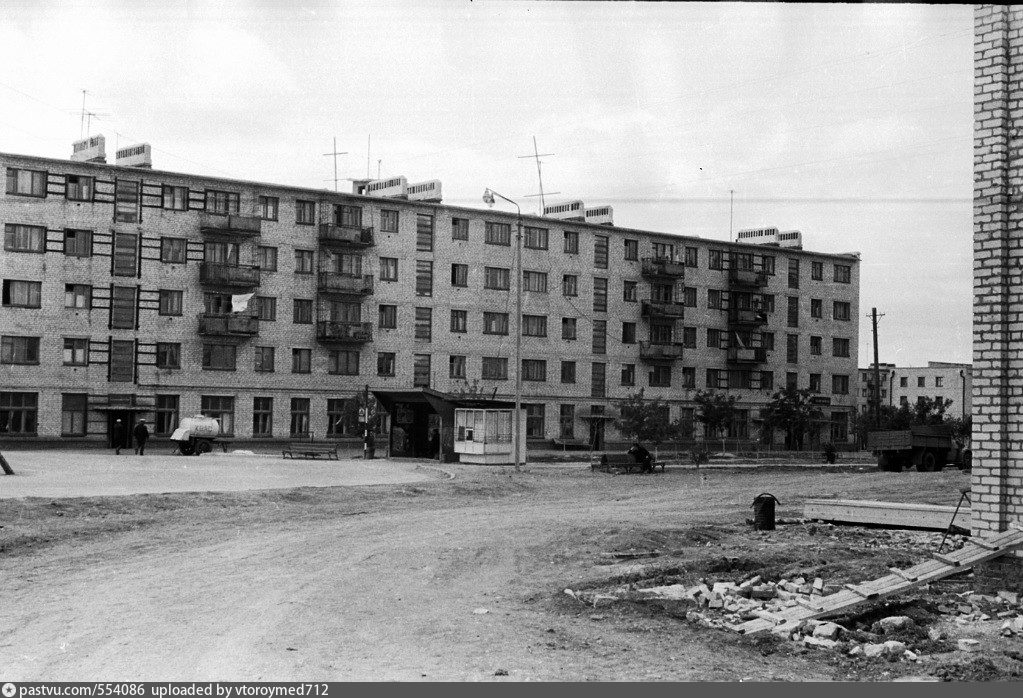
(311, 450)
(620, 461)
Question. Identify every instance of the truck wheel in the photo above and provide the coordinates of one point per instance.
(186, 448)
(967, 460)
(884, 462)
(927, 463)
(203, 446)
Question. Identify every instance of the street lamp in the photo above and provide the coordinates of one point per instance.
(489, 199)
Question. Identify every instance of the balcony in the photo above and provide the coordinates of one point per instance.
(345, 235)
(659, 267)
(747, 278)
(220, 274)
(663, 309)
(739, 355)
(233, 224)
(649, 351)
(348, 284)
(344, 332)
(747, 316)
(234, 325)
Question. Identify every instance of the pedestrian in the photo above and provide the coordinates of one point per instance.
(118, 436)
(141, 434)
(642, 456)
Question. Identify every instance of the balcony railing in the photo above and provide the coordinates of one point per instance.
(220, 274)
(349, 235)
(662, 267)
(336, 282)
(747, 316)
(737, 355)
(660, 352)
(671, 309)
(748, 278)
(233, 224)
(234, 325)
(344, 332)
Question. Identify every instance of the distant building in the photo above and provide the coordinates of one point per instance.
(908, 385)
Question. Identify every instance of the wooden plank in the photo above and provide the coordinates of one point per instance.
(929, 516)
(946, 559)
(899, 573)
(854, 589)
(981, 543)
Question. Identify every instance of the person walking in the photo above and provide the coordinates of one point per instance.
(118, 434)
(141, 434)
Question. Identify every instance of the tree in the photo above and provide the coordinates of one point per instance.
(930, 411)
(644, 420)
(790, 410)
(714, 410)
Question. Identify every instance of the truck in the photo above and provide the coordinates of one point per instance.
(927, 447)
(196, 435)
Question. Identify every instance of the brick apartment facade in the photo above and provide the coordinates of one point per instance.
(118, 284)
(904, 385)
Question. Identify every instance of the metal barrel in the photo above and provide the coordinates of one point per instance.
(763, 511)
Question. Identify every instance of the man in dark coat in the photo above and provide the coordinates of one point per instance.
(641, 455)
(141, 434)
(118, 435)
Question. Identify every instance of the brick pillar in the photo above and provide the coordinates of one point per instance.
(997, 483)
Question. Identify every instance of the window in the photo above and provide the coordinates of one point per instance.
(299, 416)
(456, 367)
(22, 294)
(815, 346)
(662, 293)
(26, 182)
(767, 264)
(387, 318)
(18, 413)
(715, 259)
(630, 291)
(571, 242)
(939, 381)
(496, 278)
(266, 308)
(175, 198)
(166, 415)
(661, 333)
(688, 377)
(568, 371)
(568, 328)
(841, 310)
(816, 308)
(459, 228)
(218, 357)
(631, 250)
(535, 238)
(303, 261)
(628, 374)
(792, 380)
(262, 416)
(903, 382)
(221, 252)
(714, 338)
(173, 250)
(78, 188)
(714, 299)
(73, 414)
(566, 421)
(793, 311)
(220, 408)
(421, 370)
(216, 303)
(495, 368)
(388, 269)
(535, 417)
(534, 370)
(843, 273)
(840, 385)
(495, 323)
(817, 271)
(497, 233)
(424, 232)
(815, 382)
(600, 336)
(424, 278)
(570, 285)
(343, 362)
(600, 244)
(920, 382)
(598, 380)
(171, 302)
(264, 359)
(24, 238)
(266, 258)
(767, 380)
(840, 347)
(302, 312)
(692, 257)
(77, 296)
(338, 423)
(793, 273)
(660, 377)
(599, 295)
(385, 363)
(792, 348)
(534, 325)
(424, 324)
(76, 351)
(305, 212)
(348, 216)
(19, 350)
(267, 207)
(534, 281)
(689, 296)
(301, 360)
(628, 333)
(168, 355)
(768, 341)
(459, 320)
(220, 201)
(460, 275)
(689, 337)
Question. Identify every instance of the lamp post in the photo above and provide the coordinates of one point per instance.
(488, 199)
(962, 403)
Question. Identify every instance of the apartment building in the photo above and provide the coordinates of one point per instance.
(120, 287)
(907, 385)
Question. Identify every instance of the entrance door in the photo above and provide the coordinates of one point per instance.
(127, 419)
(597, 434)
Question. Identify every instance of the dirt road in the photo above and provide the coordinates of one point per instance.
(378, 583)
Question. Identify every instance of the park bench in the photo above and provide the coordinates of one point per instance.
(311, 450)
(570, 443)
(609, 462)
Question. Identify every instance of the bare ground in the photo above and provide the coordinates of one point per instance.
(391, 581)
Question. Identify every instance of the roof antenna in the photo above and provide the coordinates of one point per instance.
(539, 175)
(335, 153)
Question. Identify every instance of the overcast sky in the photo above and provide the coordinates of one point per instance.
(851, 123)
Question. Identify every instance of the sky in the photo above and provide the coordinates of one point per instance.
(852, 123)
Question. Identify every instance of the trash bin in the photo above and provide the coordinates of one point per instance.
(763, 511)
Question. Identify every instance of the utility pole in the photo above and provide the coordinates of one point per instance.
(335, 153)
(876, 396)
(369, 139)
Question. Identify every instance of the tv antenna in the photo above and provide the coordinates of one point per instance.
(86, 124)
(334, 153)
(539, 175)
